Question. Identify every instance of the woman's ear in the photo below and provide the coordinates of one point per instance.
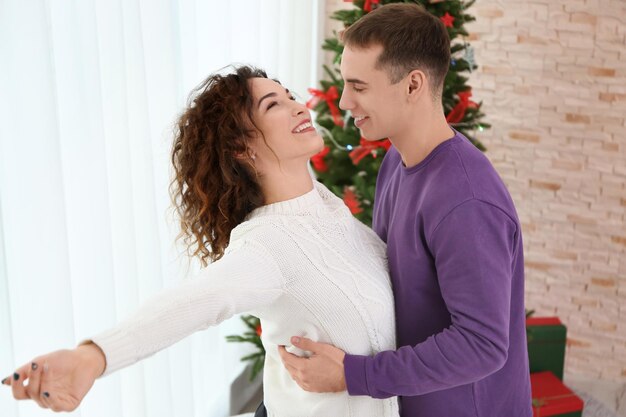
(245, 155)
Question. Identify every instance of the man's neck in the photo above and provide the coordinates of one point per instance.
(421, 137)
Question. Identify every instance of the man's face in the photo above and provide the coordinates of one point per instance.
(377, 106)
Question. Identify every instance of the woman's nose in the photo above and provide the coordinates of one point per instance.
(299, 109)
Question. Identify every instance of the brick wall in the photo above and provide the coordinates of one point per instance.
(552, 80)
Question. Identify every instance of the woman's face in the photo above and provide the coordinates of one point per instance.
(286, 124)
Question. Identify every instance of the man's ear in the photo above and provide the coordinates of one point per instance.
(417, 84)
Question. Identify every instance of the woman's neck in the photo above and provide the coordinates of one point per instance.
(285, 184)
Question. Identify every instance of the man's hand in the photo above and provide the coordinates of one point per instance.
(321, 372)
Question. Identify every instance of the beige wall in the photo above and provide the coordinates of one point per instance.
(552, 79)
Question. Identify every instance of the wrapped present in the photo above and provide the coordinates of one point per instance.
(546, 344)
(552, 398)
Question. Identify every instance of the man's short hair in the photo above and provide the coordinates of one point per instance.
(411, 37)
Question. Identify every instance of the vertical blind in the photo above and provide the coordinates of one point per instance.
(89, 94)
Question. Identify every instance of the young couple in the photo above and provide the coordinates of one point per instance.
(429, 323)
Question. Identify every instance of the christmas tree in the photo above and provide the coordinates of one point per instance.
(348, 164)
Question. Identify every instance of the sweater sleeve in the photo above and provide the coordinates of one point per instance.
(244, 279)
(473, 249)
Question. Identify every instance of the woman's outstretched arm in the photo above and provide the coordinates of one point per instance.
(244, 279)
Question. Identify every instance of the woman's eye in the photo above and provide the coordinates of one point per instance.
(292, 98)
(272, 104)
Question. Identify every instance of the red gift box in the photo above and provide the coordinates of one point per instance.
(542, 321)
(552, 398)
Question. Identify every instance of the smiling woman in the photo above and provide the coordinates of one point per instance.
(90, 92)
(284, 249)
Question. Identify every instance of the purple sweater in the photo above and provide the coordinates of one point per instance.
(457, 267)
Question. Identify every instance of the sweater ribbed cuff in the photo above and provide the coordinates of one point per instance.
(356, 377)
(114, 340)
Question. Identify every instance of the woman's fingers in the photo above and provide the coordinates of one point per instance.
(57, 381)
(34, 382)
(17, 383)
(58, 401)
(45, 400)
(50, 402)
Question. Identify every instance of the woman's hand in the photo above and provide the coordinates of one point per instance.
(59, 380)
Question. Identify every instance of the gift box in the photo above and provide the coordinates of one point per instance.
(546, 344)
(552, 398)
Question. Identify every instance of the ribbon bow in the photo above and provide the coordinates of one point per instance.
(368, 5)
(458, 112)
(367, 147)
(537, 403)
(318, 160)
(330, 96)
(351, 200)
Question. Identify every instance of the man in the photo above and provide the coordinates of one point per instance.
(453, 239)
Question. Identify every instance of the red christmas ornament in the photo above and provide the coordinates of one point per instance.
(259, 330)
(318, 160)
(351, 200)
(330, 96)
(447, 19)
(367, 147)
(458, 112)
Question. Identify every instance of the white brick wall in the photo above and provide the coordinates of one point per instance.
(552, 80)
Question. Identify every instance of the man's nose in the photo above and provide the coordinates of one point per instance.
(345, 103)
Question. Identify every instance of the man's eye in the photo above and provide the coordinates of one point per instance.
(357, 90)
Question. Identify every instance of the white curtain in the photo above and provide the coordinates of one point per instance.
(89, 92)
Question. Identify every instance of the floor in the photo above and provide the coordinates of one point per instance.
(602, 398)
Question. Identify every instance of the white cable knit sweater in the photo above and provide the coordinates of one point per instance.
(305, 267)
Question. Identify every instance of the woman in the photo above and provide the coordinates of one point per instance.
(283, 247)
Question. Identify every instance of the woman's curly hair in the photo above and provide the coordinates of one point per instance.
(214, 189)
